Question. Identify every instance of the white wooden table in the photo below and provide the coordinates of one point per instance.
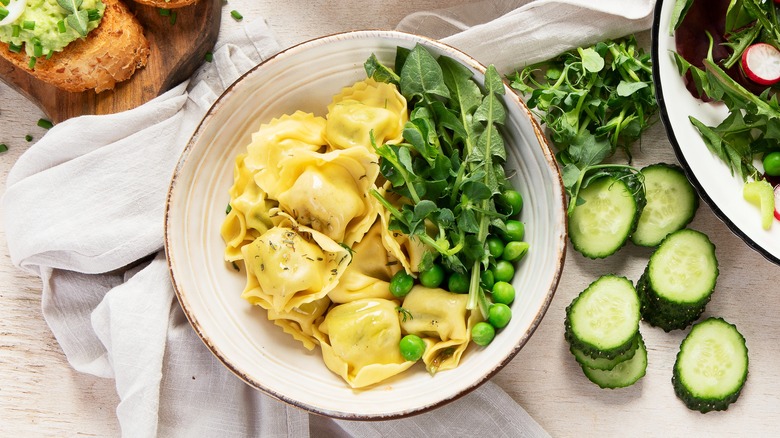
(40, 395)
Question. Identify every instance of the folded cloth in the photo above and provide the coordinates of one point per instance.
(85, 213)
(511, 34)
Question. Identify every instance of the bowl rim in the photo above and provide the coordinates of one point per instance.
(291, 51)
(665, 119)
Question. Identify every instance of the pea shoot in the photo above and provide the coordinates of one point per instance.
(592, 100)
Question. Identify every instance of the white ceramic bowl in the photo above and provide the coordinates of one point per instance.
(708, 174)
(305, 77)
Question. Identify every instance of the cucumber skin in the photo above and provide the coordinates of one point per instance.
(670, 315)
(586, 347)
(599, 363)
(663, 314)
(677, 168)
(638, 193)
(700, 404)
(607, 379)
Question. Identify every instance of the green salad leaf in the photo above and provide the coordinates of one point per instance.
(593, 101)
(449, 168)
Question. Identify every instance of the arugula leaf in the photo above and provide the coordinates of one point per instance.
(681, 8)
(421, 76)
(71, 6)
(377, 70)
(449, 169)
(77, 19)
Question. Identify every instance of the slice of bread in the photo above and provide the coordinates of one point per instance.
(167, 4)
(109, 54)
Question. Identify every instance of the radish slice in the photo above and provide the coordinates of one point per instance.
(777, 202)
(15, 9)
(761, 63)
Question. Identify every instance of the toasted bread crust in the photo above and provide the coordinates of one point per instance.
(109, 54)
(167, 4)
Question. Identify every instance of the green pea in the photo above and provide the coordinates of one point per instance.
(432, 277)
(401, 284)
(487, 280)
(458, 283)
(515, 231)
(412, 347)
(482, 333)
(514, 251)
(514, 200)
(772, 163)
(503, 271)
(495, 246)
(499, 315)
(503, 293)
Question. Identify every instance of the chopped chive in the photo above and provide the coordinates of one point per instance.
(37, 50)
(49, 55)
(28, 137)
(3, 147)
(15, 30)
(235, 266)
(28, 25)
(164, 12)
(3, 12)
(5, 2)
(172, 19)
(14, 48)
(209, 56)
(228, 209)
(61, 26)
(45, 123)
(236, 15)
(93, 14)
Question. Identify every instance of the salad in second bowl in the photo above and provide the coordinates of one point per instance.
(716, 86)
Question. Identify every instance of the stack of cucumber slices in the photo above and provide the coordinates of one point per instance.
(602, 323)
(602, 328)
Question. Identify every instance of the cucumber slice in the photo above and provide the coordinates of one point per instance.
(665, 315)
(683, 270)
(600, 363)
(624, 374)
(601, 224)
(711, 366)
(671, 204)
(603, 320)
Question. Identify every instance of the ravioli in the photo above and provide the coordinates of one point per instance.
(329, 192)
(300, 322)
(292, 267)
(279, 139)
(369, 274)
(368, 107)
(409, 252)
(249, 212)
(441, 319)
(359, 341)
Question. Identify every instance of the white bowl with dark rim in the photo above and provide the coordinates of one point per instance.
(305, 77)
(712, 179)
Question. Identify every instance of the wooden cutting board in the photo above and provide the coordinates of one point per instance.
(177, 49)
